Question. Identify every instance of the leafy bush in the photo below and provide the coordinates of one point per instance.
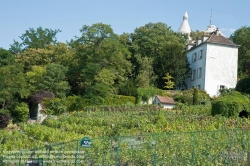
(54, 106)
(120, 100)
(21, 112)
(243, 85)
(186, 96)
(74, 103)
(230, 104)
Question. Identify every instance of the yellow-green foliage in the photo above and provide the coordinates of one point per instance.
(76, 103)
(21, 112)
(230, 104)
(120, 100)
(54, 106)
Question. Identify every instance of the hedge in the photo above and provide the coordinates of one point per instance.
(230, 104)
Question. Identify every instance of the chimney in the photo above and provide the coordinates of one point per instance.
(217, 32)
(198, 42)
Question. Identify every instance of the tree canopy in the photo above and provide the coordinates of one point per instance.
(34, 38)
(159, 42)
(242, 37)
(102, 61)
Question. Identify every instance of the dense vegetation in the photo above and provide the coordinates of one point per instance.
(94, 86)
(98, 65)
(126, 126)
(117, 121)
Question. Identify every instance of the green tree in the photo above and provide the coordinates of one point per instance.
(169, 84)
(35, 77)
(21, 112)
(165, 47)
(12, 85)
(6, 58)
(32, 57)
(243, 85)
(242, 37)
(34, 38)
(54, 80)
(173, 59)
(102, 61)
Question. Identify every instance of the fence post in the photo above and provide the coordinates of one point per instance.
(117, 152)
(193, 147)
(48, 155)
(154, 142)
(76, 159)
(20, 158)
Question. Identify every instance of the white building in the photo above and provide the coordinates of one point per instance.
(165, 102)
(213, 61)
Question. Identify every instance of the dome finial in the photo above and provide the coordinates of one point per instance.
(185, 17)
(185, 28)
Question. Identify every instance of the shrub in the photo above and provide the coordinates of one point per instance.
(120, 100)
(195, 97)
(54, 106)
(21, 112)
(186, 96)
(243, 85)
(230, 104)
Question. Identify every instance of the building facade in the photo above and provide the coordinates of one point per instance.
(213, 60)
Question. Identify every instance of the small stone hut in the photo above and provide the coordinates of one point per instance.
(35, 105)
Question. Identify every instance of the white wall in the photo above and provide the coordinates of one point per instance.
(221, 68)
(199, 63)
(164, 105)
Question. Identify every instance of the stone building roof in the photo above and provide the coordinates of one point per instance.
(219, 39)
(214, 37)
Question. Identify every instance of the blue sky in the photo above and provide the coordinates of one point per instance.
(123, 15)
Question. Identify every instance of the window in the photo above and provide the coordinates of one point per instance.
(193, 74)
(200, 54)
(222, 86)
(194, 57)
(199, 86)
(199, 72)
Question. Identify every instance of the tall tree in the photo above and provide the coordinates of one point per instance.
(12, 85)
(6, 58)
(242, 37)
(32, 57)
(34, 38)
(102, 60)
(165, 47)
(55, 80)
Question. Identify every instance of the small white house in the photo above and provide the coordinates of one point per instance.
(165, 102)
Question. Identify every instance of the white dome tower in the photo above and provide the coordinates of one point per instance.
(185, 28)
